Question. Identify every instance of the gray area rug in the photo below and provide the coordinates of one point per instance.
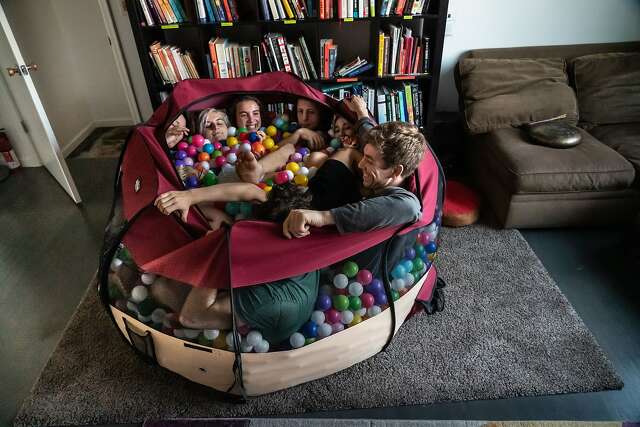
(507, 331)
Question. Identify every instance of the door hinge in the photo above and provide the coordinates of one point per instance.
(24, 126)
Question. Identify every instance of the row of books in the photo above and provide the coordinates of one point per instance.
(403, 7)
(393, 102)
(328, 56)
(163, 11)
(324, 9)
(216, 10)
(401, 53)
(173, 65)
(159, 12)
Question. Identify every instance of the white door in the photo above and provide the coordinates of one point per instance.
(31, 110)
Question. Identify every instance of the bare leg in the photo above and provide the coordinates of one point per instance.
(204, 310)
(170, 293)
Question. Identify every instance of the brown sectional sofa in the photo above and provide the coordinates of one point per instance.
(527, 185)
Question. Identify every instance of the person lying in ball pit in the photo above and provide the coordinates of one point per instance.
(343, 132)
(213, 124)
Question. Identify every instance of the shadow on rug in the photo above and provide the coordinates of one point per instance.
(507, 331)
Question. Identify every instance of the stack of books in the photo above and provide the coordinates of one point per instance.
(401, 53)
(230, 60)
(163, 12)
(215, 10)
(341, 91)
(353, 68)
(400, 102)
(403, 7)
(172, 65)
(273, 10)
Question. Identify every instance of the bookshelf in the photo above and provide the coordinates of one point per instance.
(354, 37)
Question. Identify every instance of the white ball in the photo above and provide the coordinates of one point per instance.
(245, 347)
(296, 340)
(116, 263)
(205, 165)
(362, 312)
(245, 146)
(355, 289)
(229, 340)
(289, 174)
(397, 284)
(231, 131)
(337, 327)
(131, 306)
(206, 141)
(139, 294)
(191, 333)
(325, 290)
(303, 171)
(211, 334)
(340, 281)
(178, 333)
(158, 315)
(409, 279)
(373, 310)
(312, 171)
(324, 330)
(346, 317)
(147, 278)
(254, 338)
(261, 347)
(232, 157)
(431, 227)
(144, 319)
(317, 317)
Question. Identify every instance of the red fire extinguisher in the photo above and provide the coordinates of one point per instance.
(7, 153)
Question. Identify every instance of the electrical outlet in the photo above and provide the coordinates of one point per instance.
(451, 18)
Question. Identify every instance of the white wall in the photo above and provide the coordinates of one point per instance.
(77, 81)
(508, 23)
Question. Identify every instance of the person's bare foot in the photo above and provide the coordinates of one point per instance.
(248, 168)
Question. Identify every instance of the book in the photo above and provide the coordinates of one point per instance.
(274, 10)
(307, 56)
(147, 13)
(209, 65)
(264, 8)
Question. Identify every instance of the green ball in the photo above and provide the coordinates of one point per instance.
(216, 153)
(124, 254)
(417, 264)
(232, 208)
(308, 341)
(203, 341)
(146, 307)
(395, 294)
(419, 249)
(245, 209)
(190, 139)
(210, 179)
(269, 182)
(350, 269)
(242, 130)
(340, 302)
(355, 303)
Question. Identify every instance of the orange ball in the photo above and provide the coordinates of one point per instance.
(258, 148)
(204, 157)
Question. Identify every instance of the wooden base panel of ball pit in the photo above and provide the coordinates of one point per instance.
(264, 373)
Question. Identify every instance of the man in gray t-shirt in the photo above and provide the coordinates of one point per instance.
(392, 151)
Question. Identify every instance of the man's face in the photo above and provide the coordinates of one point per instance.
(375, 173)
(215, 127)
(308, 114)
(248, 115)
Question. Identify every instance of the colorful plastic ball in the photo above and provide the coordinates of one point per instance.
(231, 131)
(293, 167)
(430, 247)
(179, 163)
(397, 284)
(220, 161)
(409, 279)
(217, 145)
(337, 327)
(230, 341)
(356, 319)
(310, 329)
(132, 307)
(431, 227)
(243, 136)
(192, 151)
(268, 143)
(296, 158)
(181, 154)
(362, 312)
(278, 123)
(232, 158)
(418, 265)
(188, 161)
(309, 341)
(286, 135)
(301, 180)
(296, 340)
(271, 131)
(324, 330)
(253, 137)
(335, 143)
(146, 307)
(158, 315)
(317, 317)
(225, 150)
(232, 208)
(304, 171)
(281, 177)
(373, 311)
(303, 151)
(258, 148)
(346, 317)
(350, 269)
(243, 129)
(422, 238)
(340, 302)
(216, 154)
(203, 157)
(398, 271)
(407, 264)
(290, 174)
(375, 286)
(192, 181)
(325, 290)
(340, 292)
(355, 289)
(365, 277)
(340, 281)
(208, 148)
(410, 253)
(140, 293)
(211, 334)
(395, 295)
(197, 140)
(367, 300)
(332, 316)
(420, 250)
(182, 146)
(354, 303)
(116, 263)
(293, 126)
(209, 179)
(381, 298)
(147, 278)
(254, 338)
(231, 141)
(261, 347)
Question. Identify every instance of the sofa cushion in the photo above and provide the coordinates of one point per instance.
(624, 138)
(608, 88)
(525, 167)
(500, 93)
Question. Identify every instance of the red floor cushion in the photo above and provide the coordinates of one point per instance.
(461, 205)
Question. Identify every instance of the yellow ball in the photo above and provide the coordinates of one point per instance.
(301, 179)
(274, 148)
(431, 256)
(267, 188)
(293, 167)
(268, 143)
(231, 141)
(272, 131)
(286, 135)
(356, 319)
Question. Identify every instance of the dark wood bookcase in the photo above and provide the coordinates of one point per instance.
(354, 37)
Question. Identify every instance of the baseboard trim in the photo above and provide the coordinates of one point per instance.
(86, 131)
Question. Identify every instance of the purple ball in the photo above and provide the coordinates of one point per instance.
(296, 157)
(381, 298)
(375, 287)
(188, 161)
(323, 302)
(181, 155)
(303, 151)
(410, 253)
(179, 163)
(192, 181)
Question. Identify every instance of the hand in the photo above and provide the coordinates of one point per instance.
(175, 201)
(315, 141)
(175, 134)
(299, 221)
(357, 105)
(261, 135)
(215, 216)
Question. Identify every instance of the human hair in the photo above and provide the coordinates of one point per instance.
(281, 200)
(242, 98)
(202, 119)
(399, 143)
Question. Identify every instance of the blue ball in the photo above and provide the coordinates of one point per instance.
(398, 271)
(410, 253)
(179, 163)
(375, 286)
(278, 123)
(431, 247)
(323, 302)
(380, 298)
(310, 329)
(407, 264)
(293, 126)
(253, 137)
(181, 155)
(192, 181)
(208, 148)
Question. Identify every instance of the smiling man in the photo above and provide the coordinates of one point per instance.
(392, 151)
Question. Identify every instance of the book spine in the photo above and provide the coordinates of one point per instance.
(321, 9)
(274, 10)
(146, 12)
(307, 56)
(387, 50)
(185, 17)
(287, 9)
(292, 61)
(283, 51)
(425, 44)
(234, 10)
(218, 9)
(380, 53)
(214, 59)
(202, 14)
(265, 10)
(281, 12)
(176, 11)
(227, 11)
(211, 17)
